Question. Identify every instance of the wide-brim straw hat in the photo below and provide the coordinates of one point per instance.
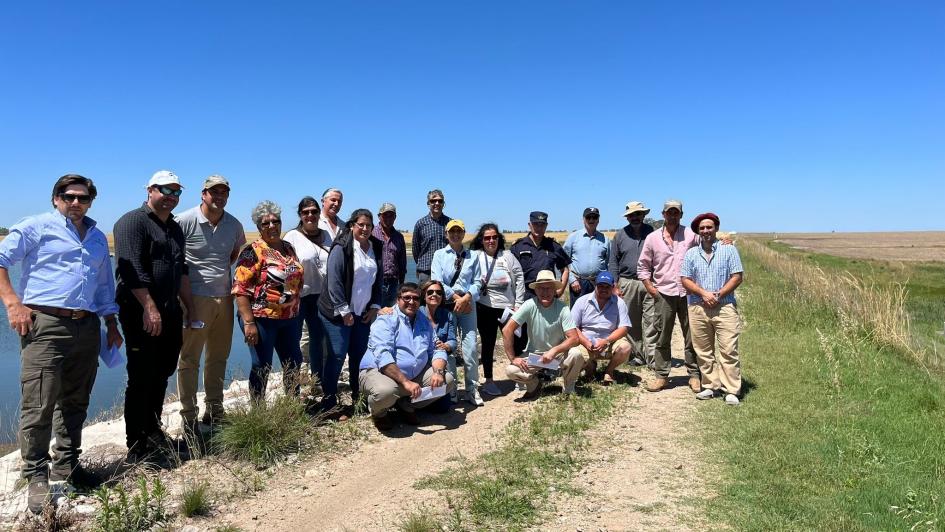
(546, 277)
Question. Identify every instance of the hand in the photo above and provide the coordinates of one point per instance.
(575, 286)
(710, 299)
(348, 319)
(462, 304)
(112, 336)
(437, 380)
(385, 311)
(601, 345)
(654, 293)
(548, 357)
(559, 292)
(369, 316)
(21, 318)
(443, 346)
(251, 333)
(617, 291)
(413, 388)
(191, 317)
(151, 320)
(520, 363)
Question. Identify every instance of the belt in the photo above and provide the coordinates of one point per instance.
(424, 271)
(632, 278)
(62, 312)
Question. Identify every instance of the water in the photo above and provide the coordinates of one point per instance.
(109, 389)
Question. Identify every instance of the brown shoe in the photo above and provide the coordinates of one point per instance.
(695, 384)
(37, 494)
(656, 384)
(410, 418)
(383, 423)
(534, 393)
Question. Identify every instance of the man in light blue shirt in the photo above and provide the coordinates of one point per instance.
(65, 286)
(589, 251)
(401, 360)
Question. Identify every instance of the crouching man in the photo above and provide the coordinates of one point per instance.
(551, 333)
(401, 359)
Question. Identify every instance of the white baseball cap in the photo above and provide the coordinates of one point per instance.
(164, 177)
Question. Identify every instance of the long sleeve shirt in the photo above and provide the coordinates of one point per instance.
(444, 269)
(660, 261)
(60, 269)
(394, 264)
(506, 285)
(588, 253)
(625, 250)
(429, 235)
(711, 273)
(396, 339)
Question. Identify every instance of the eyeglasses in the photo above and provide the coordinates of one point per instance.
(432, 201)
(410, 299)
(168, 191)
(309, 212)
(270, 223)
(490, 238)
(435, 292)
(84, 199)
(364, 226)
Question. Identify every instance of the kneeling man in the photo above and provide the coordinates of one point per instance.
(551, 333)
(602, 323)
(401, 359)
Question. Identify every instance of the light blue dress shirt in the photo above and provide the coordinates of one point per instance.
(444, 268)
(394, 340)
(589, 253)
(59, 269)
(711, 274)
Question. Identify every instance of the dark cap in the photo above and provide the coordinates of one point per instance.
(538, 216)
(704, 216)
(591, 211)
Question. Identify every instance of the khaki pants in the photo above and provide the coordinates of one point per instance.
(620, 346)
(216, 337)
(667, 310)
(571, 365)
(719, 328)
(643, 332)
(383, 392)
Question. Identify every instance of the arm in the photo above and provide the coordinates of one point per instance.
(733, 282)
(415, 242)
(375, 304)
(565, 273)
(250, 333)
(436, 273)
(475, 287)
(187, 298)
(13, 248)
(392, 371)
(508, 331)
(570, 340)
(518, 280)
(402, 260)
(18, 314)
(336, 284)
(104, 304)
(613, 263)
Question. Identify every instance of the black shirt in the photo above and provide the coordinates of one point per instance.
(548, 255)
(150, 254)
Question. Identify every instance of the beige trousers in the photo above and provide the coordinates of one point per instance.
(216, 338)
(571, 365)
(715, 339)
(383, 392)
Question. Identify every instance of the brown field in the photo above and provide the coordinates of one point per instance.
(912, 246)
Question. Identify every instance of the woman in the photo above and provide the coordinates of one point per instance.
(311, 245)
(440, 317)
(267, 282)
(458, 269)
(503, 292)
(350, 302)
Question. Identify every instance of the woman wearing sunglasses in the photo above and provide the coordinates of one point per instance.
(444, 324)
(503, 290)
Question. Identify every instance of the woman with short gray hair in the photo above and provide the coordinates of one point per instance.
(263, 208)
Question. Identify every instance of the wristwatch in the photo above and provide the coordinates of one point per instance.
(439, 372)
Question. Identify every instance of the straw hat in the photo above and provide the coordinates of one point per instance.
(545, 277)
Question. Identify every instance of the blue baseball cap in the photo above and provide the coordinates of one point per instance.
(605, 278)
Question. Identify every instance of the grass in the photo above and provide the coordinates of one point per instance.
(841, 427)
(120, 511)
(264, 432)
(195, 499)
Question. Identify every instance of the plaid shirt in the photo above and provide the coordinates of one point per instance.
(429, 235)
(150, 254)
(713, 272)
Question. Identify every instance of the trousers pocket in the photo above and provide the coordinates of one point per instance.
(31, 389)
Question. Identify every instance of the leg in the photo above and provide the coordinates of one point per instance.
(650, 330)
(360, 334)
(423, 379)
(380, 390)
(168, 345)
(527, 378)
(79, 369)
(189, 364)
(487, 322)
(316, 332)
(286, 345)
(665, 321)
(703, 342)
(219, 344)
(571, 366)
(519, 343)
(466, 323)
(338, 336)
(422, 277)
(261, 355)
(389, 292)
(682, 312)
(728, 327)
(619, 353)
(140, 350)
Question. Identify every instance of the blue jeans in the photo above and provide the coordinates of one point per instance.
(283, 337)
(586, 288)
(389, 292)
(342, 340)
(466, 323)
(308, 312)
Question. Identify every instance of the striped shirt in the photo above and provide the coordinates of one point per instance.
(712, 272)
(429, 235)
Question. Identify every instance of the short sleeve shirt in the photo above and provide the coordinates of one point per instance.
(208, 249)
(546, 326)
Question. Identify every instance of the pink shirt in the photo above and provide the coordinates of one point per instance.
(661, 262)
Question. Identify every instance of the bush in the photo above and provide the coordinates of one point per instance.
(263, 432)
(142, 511)
(195, 499)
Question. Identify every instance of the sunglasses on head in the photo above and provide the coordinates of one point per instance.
(84, 199)
(168, 191)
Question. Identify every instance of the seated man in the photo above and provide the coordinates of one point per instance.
(602, 323)
(401, 359)
(551, 334)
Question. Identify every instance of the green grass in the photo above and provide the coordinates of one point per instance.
(195, 499)
(264, 432)
(835, 432)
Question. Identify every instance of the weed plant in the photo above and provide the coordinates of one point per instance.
(120, 512)
(263, 432)
(195, 499)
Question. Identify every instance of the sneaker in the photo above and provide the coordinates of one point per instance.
(38, 494)
(520, 386)
(656, 384)
(732, 399)
(410, 418)
(568, 389)
(383, 423)
(637, 362)
(534, 393)
(695, 384)
(212, 420)
(78, 476)
(473, 397)
(705, 394)
(491, 388)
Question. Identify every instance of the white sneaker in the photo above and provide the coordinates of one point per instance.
(520, 386)
(473, 397)
(707, 394)
(569, 389)
(491, 388)
(732, 399)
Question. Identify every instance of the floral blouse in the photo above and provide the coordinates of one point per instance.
(272, 281)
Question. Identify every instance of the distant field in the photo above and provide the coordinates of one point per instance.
(912, 246)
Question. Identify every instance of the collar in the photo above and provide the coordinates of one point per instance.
(89, 223)
(610, 300)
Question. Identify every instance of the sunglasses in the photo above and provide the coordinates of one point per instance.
(270, 223)
(432, 201)
(410, 299)
(84, 199)
(435, 292)
(490, 238)
(168, 191)
(592, 218)
(309, 212)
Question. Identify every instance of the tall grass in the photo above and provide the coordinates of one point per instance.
(263, 432)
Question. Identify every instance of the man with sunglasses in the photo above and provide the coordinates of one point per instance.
(429, 234)
(402, 358)
(65, 290)
(589, 251)
(625, 250)
(212, 240)
(152, 282)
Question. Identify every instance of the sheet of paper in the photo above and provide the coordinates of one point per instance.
(534, 360)
(506, 315)
(430, 393)
(112, 357)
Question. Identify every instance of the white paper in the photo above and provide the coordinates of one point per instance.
(534, 360)
(111, 356)
(506, 316)
(430, 393)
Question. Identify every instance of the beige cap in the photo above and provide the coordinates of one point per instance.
(214, 180)
(672, 204)
(387, 207)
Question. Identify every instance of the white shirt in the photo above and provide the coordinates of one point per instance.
(314, 259)
(332, 234)
(365, 270)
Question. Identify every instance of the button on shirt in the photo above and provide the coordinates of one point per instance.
(595, 322)
(59, 269)
(548, 255)
(588, 253)
(660, 262)
(395, 254)
(711, 273)
(429, 235)
(625, 250)
(395, 340)
(444, 269)
(208, 251)
(150, 254)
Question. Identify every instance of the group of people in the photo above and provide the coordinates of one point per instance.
(336, 288)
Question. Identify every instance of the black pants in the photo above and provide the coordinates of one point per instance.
(151, 361)
(487, 321)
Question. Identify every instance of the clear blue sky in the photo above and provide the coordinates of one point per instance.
(778, 116)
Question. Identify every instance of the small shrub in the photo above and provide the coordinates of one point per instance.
(142, 511)
(195, 499)
(262, 432)
(420, 521)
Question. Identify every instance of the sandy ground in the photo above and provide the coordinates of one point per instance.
(904, 246)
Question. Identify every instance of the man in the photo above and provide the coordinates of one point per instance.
(624, 255)
(65, 288)
(589, 251)
(149, 247)
(711, 273)
(536, 253)
(329, 220)
(551, 334)
(402, 358)
(660, 261)
(429, 234)
(602, 322)
(394, 265)
(213, 238)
